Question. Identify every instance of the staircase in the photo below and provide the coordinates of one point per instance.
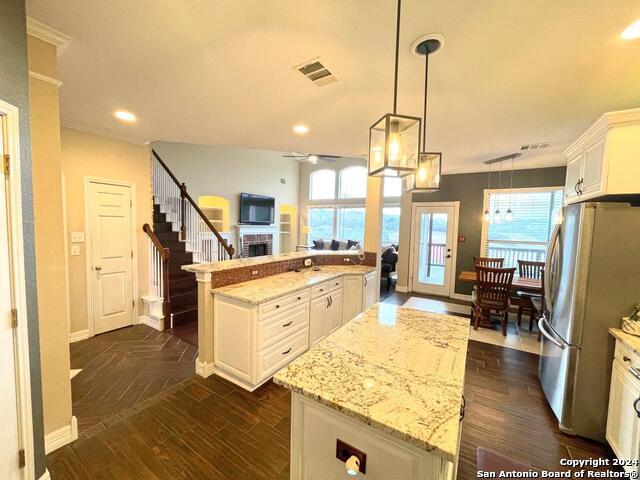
(181, 235)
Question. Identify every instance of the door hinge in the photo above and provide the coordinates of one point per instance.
(22, 461)
(131, 253)
(133, 303)
(7, 164)
(14, 318)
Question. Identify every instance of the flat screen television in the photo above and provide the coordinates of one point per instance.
(256, 209)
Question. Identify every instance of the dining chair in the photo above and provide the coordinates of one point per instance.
(488, 262)
(492, 295)
(522, 299)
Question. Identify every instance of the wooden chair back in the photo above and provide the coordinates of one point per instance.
(488, 262)
(527, 269)
(494, 287)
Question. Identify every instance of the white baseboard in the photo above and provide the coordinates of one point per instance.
(79, 335)
(61, 437)
(204, 369)
(152, 322)
(402, 289)
(45, 475)
(461, 296)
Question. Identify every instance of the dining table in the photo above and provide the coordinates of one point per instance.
(533, 285)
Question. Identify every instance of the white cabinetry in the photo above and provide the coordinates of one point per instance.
(623, 418)
(318, 319)
(352, 297)
(326, 310)
(371, 289)
(603, 161)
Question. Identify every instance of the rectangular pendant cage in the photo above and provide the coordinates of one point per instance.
(426, 177)
(394, 143)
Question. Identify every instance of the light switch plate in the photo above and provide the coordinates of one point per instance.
(77, 237)
(75, 250)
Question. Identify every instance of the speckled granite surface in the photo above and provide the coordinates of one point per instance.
(397, 369)
(630, 341)
(268, 288)
(246, 262)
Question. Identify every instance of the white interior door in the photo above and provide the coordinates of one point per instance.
(111, 256)
(9, 438)
(433, 249)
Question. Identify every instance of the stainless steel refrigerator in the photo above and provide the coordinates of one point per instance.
(592, 279)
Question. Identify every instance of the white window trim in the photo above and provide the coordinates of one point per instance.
(485, 206)
(335, 183)
(339, 183)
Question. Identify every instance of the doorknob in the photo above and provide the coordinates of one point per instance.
(448, 256)
(98, 267)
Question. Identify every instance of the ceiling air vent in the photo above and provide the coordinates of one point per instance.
(316, 72)
(534, 146)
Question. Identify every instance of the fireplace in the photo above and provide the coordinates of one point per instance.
(255, 245)
(258, 249)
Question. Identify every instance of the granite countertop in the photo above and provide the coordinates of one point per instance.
(630, 341)
(397, 369)
(267, 288)
(246, 262)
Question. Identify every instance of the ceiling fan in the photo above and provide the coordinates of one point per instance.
(312, 157)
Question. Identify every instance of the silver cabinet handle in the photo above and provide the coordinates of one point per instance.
(635, 372)
(635, 406)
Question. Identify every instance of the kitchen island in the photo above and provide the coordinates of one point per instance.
(385, 389)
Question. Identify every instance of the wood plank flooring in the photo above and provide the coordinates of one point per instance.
(124, 367)
(210, 429)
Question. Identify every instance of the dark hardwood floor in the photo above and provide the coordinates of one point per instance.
(210, 429)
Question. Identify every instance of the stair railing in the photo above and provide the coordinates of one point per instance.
(196, 230)
(159, 260)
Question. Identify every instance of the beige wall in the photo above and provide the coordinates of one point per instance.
(89, 155)
(49, 232)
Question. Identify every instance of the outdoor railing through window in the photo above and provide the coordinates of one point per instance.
(512, 254)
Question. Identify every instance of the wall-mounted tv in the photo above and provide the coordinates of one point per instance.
(256, 209)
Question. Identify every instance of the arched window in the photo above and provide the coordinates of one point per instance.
(353, 182)
(392, 186)
(322, 185)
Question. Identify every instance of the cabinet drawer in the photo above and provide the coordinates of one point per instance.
(335, 284)
(626, 356)
(280, 326)
(280, 354)
(274, 307)
(320, 289)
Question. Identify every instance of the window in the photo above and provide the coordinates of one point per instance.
(525, 236)
(322, 185)
(320, 219)
(353, 182)
(351, 223)
(392, 186)
(390, 225)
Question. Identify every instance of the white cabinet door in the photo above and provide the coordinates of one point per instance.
(593, 163)
(370, 286)
(318, 319)
(574, 174)
(352, 302)
(623, 424)
(334, 313)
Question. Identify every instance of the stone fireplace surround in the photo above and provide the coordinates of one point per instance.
(258, 234)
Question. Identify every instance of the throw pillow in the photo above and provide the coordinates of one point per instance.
(318, 244)
(335, 244)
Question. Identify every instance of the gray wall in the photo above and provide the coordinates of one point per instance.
(14, 89)
(469, 189)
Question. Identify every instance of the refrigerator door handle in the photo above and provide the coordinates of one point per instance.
(550, 333)
(553, 242)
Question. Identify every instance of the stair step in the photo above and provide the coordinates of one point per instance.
(181, 300)
(176, 272)
(174, 247)
(181, 258)
(184, 316)
(167, 237)
(182, 285)
(161, 227)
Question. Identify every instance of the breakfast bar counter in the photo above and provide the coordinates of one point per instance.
(388, 384)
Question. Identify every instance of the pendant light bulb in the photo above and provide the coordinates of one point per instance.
(509, 215)
(394, 148)
(487, 215)
(497, 216)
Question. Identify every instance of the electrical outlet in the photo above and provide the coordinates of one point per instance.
(344, 452)
(254, 272)
(345, 260)
(307, 262)
(75, 250)
(77, 237)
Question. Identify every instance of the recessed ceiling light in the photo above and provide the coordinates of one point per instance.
(632, 31)
(125, 116)
(300, 129)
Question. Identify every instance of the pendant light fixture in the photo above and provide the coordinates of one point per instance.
(497, 215)
(427, 176)
(394, 140)
(509, 216)
(487, 214)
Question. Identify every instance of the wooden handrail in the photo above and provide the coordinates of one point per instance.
(183, 192)
(164, 252)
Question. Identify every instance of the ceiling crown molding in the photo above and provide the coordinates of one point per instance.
(44, 32)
